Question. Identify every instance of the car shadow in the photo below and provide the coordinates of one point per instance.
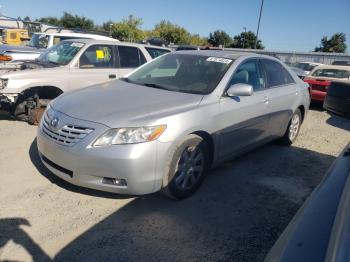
(236, 215)
(317, 106)
(35, 159)
(233, 217)
(6, 116)
(339, 121)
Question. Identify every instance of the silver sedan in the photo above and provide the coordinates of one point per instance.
(165, 124)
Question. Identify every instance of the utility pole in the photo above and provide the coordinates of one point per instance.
(257, 31)
(110, 30)
(245, 34)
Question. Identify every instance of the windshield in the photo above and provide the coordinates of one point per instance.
(305, 67)
(333, 73)
(62, 53)
(39, 41)
(194, 74)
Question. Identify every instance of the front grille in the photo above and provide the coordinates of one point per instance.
(67, 135)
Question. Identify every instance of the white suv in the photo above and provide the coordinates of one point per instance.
(41, 41)
(70, 65)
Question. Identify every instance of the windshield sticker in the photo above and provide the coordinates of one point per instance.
(219, 60)
(100, 54)
(77, 44)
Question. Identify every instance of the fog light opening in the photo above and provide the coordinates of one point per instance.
(114, 181)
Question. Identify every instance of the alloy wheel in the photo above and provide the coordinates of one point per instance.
(294, 126)
(189, 168)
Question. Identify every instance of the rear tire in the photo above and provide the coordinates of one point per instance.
(188, 168)
(293, 129)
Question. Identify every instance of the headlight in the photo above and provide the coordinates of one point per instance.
(129, 135)
(3, 83)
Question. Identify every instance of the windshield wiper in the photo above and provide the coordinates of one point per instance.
(125, 79)
(54, 63)
(154, 86)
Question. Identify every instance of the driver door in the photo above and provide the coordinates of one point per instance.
(244, 120)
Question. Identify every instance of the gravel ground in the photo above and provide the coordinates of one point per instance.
(237, 214)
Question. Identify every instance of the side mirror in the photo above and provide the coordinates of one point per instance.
(240, 90)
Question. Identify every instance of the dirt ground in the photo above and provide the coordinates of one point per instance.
(237, 214)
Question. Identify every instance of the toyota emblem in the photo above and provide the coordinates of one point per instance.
(54, 122)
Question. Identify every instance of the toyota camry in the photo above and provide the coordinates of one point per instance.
(163, 126)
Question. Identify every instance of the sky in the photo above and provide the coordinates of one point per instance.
(291, 25)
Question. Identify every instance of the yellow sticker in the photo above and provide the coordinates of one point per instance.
(100, 54)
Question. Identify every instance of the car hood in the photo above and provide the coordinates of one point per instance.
(118, 103)
(38, 73)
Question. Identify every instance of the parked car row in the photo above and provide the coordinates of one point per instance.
(329, 85)
(163, 124)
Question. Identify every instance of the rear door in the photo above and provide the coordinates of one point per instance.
(130, 57)
(97, 64)
(244, 120)
(282, 93)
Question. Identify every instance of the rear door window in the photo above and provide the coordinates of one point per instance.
(330, 72)
(276, 74)
(98, 56)
(155, 52)
(130, 57)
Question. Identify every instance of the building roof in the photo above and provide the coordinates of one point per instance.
(217, 53)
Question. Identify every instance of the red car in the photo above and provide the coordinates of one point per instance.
(320, 78)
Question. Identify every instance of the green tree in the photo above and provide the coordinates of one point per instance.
(171, 33)
(128, 29)
(218, 38)
(246, 40)
(74, 21)
(336, 44)
(69, 21)
(50, 21)
(197, 40)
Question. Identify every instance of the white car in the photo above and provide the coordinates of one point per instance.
(306, 67)
(42, 41)
(70, 65)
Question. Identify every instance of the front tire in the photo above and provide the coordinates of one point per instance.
(293, 129)
(188, 167)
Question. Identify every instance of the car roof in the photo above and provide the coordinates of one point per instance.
(81, 35)
(116, 42)
(338, 67)
(310, 63)
(222, 54)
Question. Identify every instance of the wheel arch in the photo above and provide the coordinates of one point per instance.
(44, 92)
(209, 140)
(302, 111)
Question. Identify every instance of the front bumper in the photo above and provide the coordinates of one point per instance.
(317, 95)
(141, 165)
(337, 105)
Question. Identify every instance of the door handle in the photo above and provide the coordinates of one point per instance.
(267, 100)
(112, 76)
